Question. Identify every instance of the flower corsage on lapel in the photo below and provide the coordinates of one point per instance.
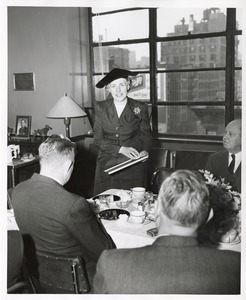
(136, 110)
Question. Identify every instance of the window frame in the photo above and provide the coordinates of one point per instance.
(229, 33)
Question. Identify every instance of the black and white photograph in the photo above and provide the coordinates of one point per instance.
(123, 124)
(23, 126)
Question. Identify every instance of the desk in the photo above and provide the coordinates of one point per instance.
(17, 164)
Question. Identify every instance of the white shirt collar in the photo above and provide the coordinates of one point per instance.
(238, 157)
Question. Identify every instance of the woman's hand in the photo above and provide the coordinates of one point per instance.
(129, 152)
(143, 153)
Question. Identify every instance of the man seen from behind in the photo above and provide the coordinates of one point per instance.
(175, 263)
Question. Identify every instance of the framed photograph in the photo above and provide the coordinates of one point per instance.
(23, 81)
(23, 126)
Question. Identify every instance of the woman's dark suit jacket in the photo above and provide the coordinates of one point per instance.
(217, 164)
(132, 129)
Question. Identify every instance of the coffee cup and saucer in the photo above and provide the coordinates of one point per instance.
(138, 194)
(138, 217)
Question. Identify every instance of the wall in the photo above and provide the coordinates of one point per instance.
(41, 40)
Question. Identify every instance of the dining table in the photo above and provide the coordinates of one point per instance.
(127, 234)
(124, 233)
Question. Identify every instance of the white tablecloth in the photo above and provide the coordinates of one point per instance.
(128, 235)
(11, 222)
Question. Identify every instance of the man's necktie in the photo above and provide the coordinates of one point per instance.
(232, 164)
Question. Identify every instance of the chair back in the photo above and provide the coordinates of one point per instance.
(158, 158)
(15, 281)
(58, 274)
(189, 159)
(158, 177)
(18, 280)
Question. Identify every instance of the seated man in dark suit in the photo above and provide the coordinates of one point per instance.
(175, 263)
(227, 163)
(53, 220)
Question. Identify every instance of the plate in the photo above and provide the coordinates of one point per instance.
(113, 214)
(27, 159)
(235, 242)
(146, 221)
(106, 197)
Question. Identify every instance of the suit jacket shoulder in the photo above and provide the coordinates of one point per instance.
(220, 154)
(134, 104)
(218, 162)
(155, 261)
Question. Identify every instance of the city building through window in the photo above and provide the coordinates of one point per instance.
(189, 61)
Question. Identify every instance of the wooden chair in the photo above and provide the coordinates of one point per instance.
(15, 280)
(158, 177)
(18, 280)
(60, 275)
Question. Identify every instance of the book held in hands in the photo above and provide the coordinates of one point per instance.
(125, 164)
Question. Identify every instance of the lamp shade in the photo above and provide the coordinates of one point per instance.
(66, 107)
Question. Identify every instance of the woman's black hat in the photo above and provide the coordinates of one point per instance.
(114, 74)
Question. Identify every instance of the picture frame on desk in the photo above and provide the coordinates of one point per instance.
(23, 126)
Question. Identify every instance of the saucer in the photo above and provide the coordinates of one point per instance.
(235, 242)
(27, 159)
(146, 221)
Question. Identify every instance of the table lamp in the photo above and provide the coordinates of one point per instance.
(66, 108)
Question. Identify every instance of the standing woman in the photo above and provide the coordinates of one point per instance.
(121, 131)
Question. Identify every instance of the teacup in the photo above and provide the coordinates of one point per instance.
(138, 194)
(137, 216)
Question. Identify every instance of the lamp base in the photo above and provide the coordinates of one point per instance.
(67, 122)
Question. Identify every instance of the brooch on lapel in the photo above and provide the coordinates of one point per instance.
(136, 110)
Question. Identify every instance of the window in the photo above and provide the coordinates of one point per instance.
(192, 58)
(181, 62)
(192, 49)
(202, 48)
(202, 57)
(213, 57)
